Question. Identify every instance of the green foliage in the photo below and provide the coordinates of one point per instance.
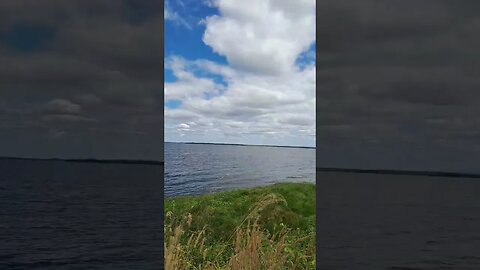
(279, 207)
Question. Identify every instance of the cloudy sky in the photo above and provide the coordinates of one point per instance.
(81, 78)
(398, 84)
(240, 71)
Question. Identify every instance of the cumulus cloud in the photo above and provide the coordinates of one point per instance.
(187, 85)
(265, 39)
(262, 94)
(255, 104)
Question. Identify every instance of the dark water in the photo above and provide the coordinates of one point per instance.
(200, 168)
(59, 215)
(371, 221)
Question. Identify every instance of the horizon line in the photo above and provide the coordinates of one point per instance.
(324, 169)
(402, 172)
(89, 160)
(246, 144)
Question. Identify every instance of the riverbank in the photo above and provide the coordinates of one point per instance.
(259, 227)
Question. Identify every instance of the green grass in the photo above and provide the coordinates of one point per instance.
(221, 214)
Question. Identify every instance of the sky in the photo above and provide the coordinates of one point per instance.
(240, 71)
(398, 84)
(397, 81)
(81, 79)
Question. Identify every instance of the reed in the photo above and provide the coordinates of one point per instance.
(250, 245)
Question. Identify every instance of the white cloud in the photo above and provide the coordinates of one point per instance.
(170, 15)
(184, 126)
(264, 96)
(262, 36)
(188, 85)
(250, 105)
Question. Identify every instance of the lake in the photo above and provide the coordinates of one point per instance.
(380, 221)
(192, 169)
(67, 215)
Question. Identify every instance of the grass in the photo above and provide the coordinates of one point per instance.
(270, 227)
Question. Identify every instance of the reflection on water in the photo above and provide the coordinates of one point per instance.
(202, 168)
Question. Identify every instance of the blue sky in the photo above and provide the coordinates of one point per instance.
(237, 75)
(184, 40)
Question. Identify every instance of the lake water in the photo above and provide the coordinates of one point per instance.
(375, 221)
(68, 215)
(203, 168)
(64, 215)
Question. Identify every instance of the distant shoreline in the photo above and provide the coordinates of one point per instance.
(318, 169)
(401, 172)
(241, 144)
(90, 160)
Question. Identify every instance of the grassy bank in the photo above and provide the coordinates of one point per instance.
(270, 227)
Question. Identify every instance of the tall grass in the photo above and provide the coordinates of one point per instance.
(250, 245)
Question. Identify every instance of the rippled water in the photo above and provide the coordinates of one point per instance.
(372, 221)
(62, 215)
(202, 168)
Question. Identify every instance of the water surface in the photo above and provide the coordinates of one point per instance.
(202, 168)
(374, 221)
(64, 215)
